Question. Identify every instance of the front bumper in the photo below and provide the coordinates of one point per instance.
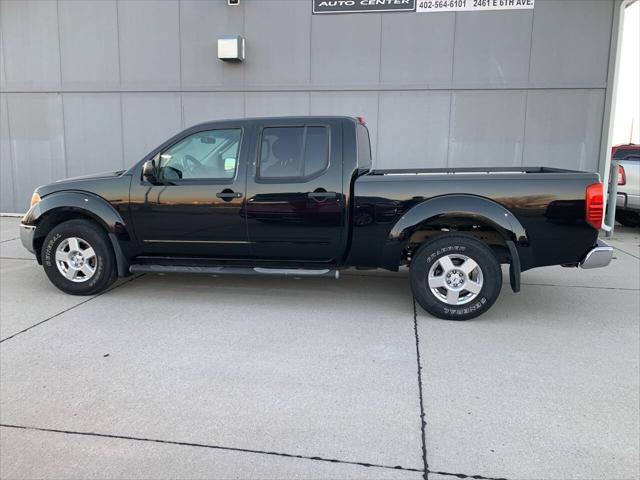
(598, 256)
(26, 237)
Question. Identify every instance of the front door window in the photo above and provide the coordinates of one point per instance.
(209, 155)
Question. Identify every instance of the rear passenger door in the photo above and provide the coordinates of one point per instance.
(295, 205)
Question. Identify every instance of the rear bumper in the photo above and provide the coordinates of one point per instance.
(26, 237)
(598, 256)
(625, 201)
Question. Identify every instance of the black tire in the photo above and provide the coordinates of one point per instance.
(627, 218)
(488, 279)
(102, 263)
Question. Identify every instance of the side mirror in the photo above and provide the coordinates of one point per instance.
(149, 172)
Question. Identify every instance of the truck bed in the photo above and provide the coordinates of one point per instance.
(549, 203)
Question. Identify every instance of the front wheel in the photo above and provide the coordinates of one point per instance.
(78, 259)
(455, 277)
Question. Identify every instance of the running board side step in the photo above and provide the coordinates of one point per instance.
(286, 272)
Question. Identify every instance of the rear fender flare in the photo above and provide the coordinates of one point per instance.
(438, 209)
(482, 209)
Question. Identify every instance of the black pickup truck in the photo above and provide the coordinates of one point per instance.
(298, 196)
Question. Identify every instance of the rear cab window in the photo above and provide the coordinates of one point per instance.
(364, 147)
(293, 153)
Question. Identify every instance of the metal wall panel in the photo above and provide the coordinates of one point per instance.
(264, 104)
(205, 107)
(149, 44)
(93, 132)
(563, 128)
(421, 142)
(427, 39)
(30, 42)
(397, 69)
(148, 119)
(352, 104)
(345, 49)
(487, 128)
(3, 77)
(492, 48)
(37, 138)
(571, 42)
(89, 44)
(278, 45)
(201, 23)
(7, 201)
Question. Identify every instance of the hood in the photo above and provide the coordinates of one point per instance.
(91, 183)
(92, 175)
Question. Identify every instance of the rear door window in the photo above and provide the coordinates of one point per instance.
(293, 153)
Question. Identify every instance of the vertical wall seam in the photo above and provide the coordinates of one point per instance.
(378, 129)
(310, 60)
(120, 84)
(4, 98)
(451, 90)
(65, 160)
(244, 70)
(378, 93)
(59, 41)
(310, 52)
(180, 94)
(12, 157)
(180, 50)
(118, 44)
(380, 52)
(526, 99)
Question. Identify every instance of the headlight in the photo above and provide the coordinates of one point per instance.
(35, 198)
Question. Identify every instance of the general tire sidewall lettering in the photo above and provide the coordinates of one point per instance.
(50, 249)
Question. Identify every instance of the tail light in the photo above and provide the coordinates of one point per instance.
(594, 205)
(622, 177)
(361, 121)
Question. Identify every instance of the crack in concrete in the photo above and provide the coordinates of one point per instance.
(9, 240)
(423, 423)
(463, 475)
(214, 447)
(68, 309)
(628, 253)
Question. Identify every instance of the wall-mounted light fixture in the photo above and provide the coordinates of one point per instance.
(233, 2)
(231, 48)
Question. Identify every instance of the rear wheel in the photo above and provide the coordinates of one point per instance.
(627, 218)
(78, 259)
(455, 277)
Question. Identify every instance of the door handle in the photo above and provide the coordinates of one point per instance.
(227, 194)
(321, 195)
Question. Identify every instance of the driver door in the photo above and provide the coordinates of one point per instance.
(196, 209)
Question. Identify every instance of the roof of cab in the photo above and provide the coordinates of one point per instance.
(299, 118)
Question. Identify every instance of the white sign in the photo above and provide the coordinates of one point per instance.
(471, 5)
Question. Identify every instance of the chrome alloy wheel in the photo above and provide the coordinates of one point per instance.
(76, 260)
(455, 279)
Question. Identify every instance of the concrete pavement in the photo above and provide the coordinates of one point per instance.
(233, 377)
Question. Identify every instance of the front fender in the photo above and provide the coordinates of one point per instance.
(44, 215)
(84, 203)
(438, 210)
